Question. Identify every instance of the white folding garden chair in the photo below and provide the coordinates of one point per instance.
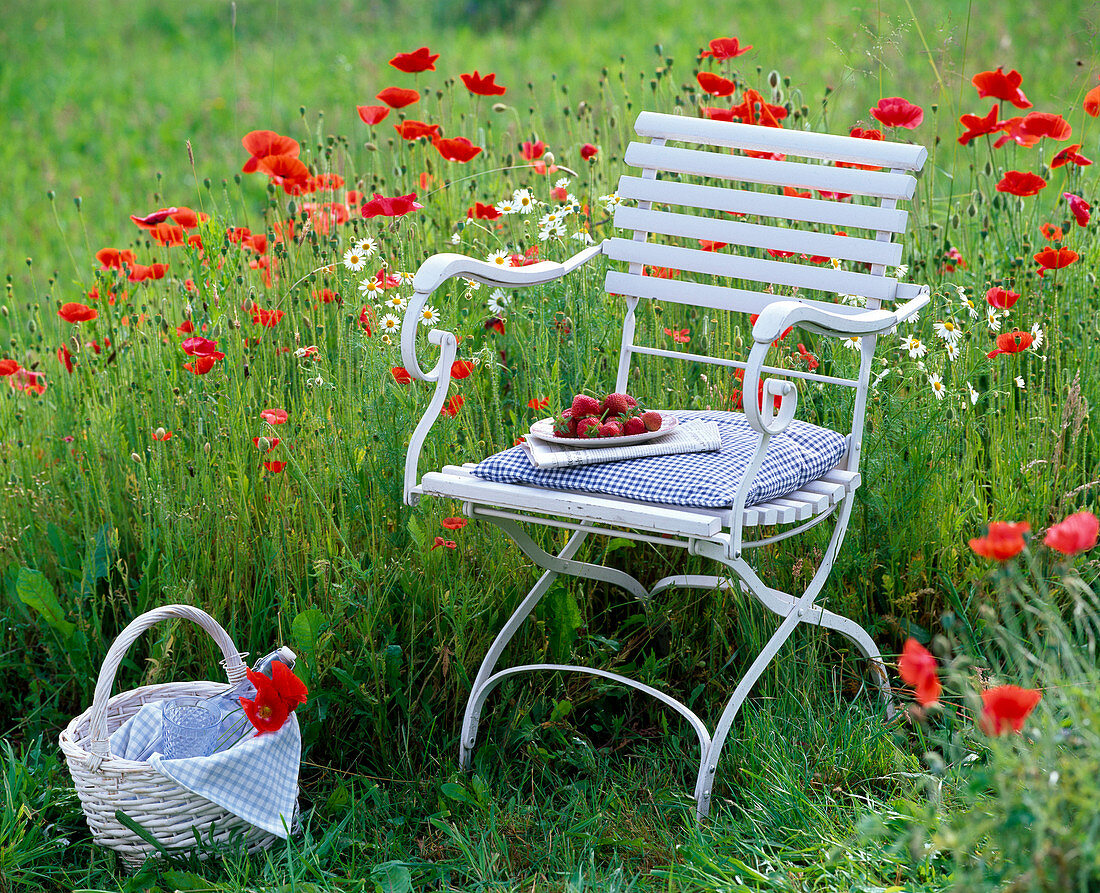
(771, 470)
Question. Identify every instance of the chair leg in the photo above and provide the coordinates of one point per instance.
(863, 641)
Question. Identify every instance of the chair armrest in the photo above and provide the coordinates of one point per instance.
(839, 322)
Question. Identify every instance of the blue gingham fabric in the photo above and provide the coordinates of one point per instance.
(255, 778)
(800, 454)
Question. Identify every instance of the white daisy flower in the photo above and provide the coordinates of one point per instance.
(499, 258)
(389, 323)
(370, 286)
(915, 346)
(429, 316)
(952, 349)
(948, 330)
(367, 246)
(498, 301)
(523, 201)
(456, 238)
(1037, 334)
(506, 206)
(394, 303)
(562, 183)
(610, 201)
(973, 393)
(1019, 382)
(471, 284)
(967, 303)
(993, 319)
(583, 237)
(852, 342)
(354, 260)
(902, 271)
(550, 218)
(937, 386)
(835, 262)
(556, 230)
(406, 278)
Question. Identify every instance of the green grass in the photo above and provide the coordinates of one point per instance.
(577, 786)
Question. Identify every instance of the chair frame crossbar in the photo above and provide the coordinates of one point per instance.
(716, 535)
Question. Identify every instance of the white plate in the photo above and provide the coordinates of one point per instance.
(543, 429)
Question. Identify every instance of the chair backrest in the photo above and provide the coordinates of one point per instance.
(739, 223)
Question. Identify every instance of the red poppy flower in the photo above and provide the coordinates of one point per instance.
(372, 114)
(1028, 130)
(152, 219)
(754, 110)
(453, 523)
(679, 336)
(722, 48)
(1001, 298)
(398, 97)
(261, 143)
(286, 171)
(709, 245)
(400, 375)
(291, 690)
(77, 313)
(1051, 232)
(1091, 105)
(267, 711)
(141, 272)
(538, 402)
(398, 206)
(998, 85)
(1021, 183)
(461, 369)
(439, 541)
(411, 130)
(530, 256)
(811, 361)
(161, 434)
(717, 114)
(1077, 533)
(496, 324)
(202, 364)
(33, 383)
(366, 319)
(661, 272)
(1005, 708)
(1002, 542)
(917, 668)
(199, 346)
(1055, 258)
(8, 367)
(482, 212)
(267, 318)
(1070, 155)
(588, 151)
(65, 358)
(453, 405)
(977, 126)
(1012, 342)
(274, 416)
(532, 151)
(272, 442)
(274, 467)
(113, 258)
(714, 84)
(482, 86)
(894, 111)
(1079, 207)
(415, 62)
(791, 192)
(167, 234)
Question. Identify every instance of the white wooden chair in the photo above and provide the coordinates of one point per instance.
(743, 170)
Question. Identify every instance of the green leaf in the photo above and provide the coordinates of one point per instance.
(417, 533)
(185, 880)
(305, 630)
(35, 592)
(561, 710)
(619, 542)
(391, 877)
(563, 619)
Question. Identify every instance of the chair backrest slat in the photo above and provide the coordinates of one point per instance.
(768, 172)
(899, 156)
(763, 204)
(754, 235)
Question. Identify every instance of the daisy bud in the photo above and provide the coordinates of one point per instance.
(263, 444)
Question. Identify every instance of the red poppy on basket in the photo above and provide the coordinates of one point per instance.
(452, 406)
(483, 86)
(453, 523)
(714, 84)
(1091, 105)
(1051, 232)
(722, 48)
(917, 668)
(977, 126)
(415, 62)
(261, 143)
(588, 151)
(372, 114)
(1055, 258)
(1003, 541)
(398, 97)
(397, 206)
(1077, 533)
(1070, 155)
(538, 402)
(456, 148)
(411, 130)
(276, 697)
(1001, 298)
(482, 212)
(1022, 183)
(27, 381)
(1078, 207)
(461, 369)
(1005, 708)
(894, 111)
(274, 416)
(1012, 342)
(77, 313)
(998, 85)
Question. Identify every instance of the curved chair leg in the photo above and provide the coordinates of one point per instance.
(863, 641)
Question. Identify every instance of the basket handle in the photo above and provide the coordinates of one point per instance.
(234, 666)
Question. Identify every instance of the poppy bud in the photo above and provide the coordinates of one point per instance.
(74, 343)
(206, 448)
(773, 78)
(370, 147)
(78, 201)
(159, 434)
(136, 458)
(499, 107)
(548, 157)
(4, 310)
(31, 327)
(263, 444)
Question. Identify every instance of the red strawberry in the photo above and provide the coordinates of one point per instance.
(611, 429)
(614, 405)
(584, 405)
(630, 401)
(651, 420)
(589, 426)
(634, 425)
(564, 426)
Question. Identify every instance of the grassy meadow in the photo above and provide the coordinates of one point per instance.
(131, 480)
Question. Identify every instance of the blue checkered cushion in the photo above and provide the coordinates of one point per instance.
(707, 480)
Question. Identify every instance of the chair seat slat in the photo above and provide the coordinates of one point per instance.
(764, 204)
(754, 235)
(765, 171)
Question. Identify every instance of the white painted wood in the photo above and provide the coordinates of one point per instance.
(741, 364)
(763, 204)
(803, 143)
(440, 267)
(754, 235)
(767, 172)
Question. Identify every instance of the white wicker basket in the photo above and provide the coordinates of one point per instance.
(106, 784)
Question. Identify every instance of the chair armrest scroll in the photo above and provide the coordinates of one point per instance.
(839, 322)
(438, 269)
(448, 347)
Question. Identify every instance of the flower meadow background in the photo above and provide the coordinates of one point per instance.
(206, 406)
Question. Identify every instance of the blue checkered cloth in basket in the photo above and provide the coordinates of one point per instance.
(802, 453)
(255, 779)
